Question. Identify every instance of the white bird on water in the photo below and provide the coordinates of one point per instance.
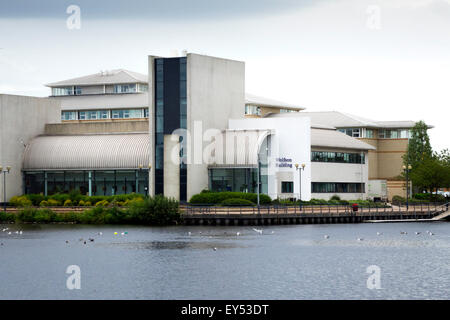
(379, 233)
(326, 236)
(215, 249)
(360, 239)
(238, 233)
(258, 230)
(189, 233)
(417, 233)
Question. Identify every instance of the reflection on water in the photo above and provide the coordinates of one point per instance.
(284, 262)
(164, 245)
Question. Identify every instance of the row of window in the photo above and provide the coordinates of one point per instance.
(393, 133)
(340, 157)
(326, 187)
(382, 133)
(252, 110)
(118, 88)
(105, 114)
(333, 187)
(255, 110)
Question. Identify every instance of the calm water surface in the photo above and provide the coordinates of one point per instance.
(285, 262)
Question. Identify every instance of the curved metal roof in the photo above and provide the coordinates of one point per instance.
(105, 151)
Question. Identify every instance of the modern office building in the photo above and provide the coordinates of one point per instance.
(105, 96)
(389, 139)
(189, 126)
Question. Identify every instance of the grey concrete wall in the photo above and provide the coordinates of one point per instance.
(171, 166)
(21, 119)
(215, 93)
(151, 119)
(97, 127)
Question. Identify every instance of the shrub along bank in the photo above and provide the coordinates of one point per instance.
(219, 197)
(158, 210)
(72, 199)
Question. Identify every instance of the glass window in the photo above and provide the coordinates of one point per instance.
(104, 114)
(369, 133)
(159, 124)
(127, 113)
(340, 187)
(404, 133)
(252, 110)
(394, 134)
(77, 90)
(63, 91)
(287, 187)
(143, 87)
(356, 133)
(69, 115)
(82, 115)
(381, 133)
(92, 115)
(339, 157)
(182, 89)
(125, 88)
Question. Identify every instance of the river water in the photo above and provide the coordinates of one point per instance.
(185, 262)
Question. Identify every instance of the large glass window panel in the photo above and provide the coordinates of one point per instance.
(182, 89)
(159, 90)
(125, 88)
(393, 134)
(159, 124)
(69, 115)
(287, 187)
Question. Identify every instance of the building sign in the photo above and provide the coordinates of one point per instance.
(283, 162)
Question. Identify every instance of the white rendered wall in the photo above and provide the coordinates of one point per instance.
(291, 140)
(341, 172)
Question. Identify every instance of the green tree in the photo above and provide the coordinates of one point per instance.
(419, 147)
(432, 173)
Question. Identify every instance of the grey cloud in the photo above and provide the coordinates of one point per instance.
(149, 9)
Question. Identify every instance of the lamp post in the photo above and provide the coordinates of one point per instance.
(7, 170)
(300, 169)
(257, 183)
(407, 169)
(146, 177)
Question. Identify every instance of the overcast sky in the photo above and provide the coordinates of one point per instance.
(379, 59)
